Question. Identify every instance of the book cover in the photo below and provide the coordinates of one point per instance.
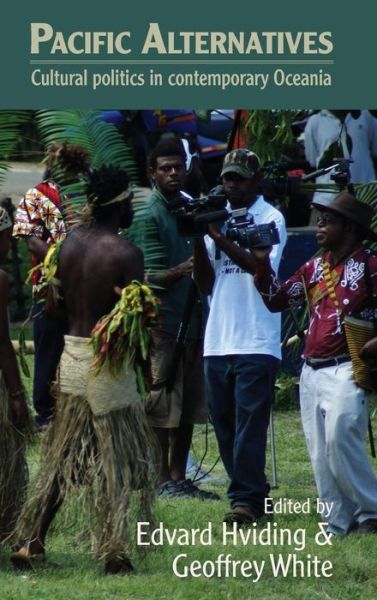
(140, 66)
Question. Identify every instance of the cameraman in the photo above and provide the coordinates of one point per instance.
(242, 341)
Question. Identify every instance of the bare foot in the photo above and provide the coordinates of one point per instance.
(25, 559)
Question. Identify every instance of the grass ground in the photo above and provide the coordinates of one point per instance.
(77, 576)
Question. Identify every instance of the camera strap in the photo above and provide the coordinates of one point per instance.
(191, 299)
(327, 276)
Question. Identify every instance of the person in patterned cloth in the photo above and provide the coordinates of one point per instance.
(39, 221)
(339, 283)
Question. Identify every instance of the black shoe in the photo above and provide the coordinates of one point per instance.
(189, 489)
(368, 526)
(170, 489)
(184, 488)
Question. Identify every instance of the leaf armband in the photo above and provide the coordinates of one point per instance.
(122, 337)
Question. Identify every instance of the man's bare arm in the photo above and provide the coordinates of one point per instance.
(167, 277)
(36, 246)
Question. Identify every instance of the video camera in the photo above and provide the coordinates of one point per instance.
(339, 172)
(247, 234)
(278, 182)
(194, 215)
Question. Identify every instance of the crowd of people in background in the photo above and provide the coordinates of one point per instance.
(124, 435)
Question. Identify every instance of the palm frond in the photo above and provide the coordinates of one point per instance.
(11, 122)
(103, 142)
(105, 146)
(368, 193)
(142, 230)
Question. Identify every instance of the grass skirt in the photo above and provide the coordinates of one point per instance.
(108, 463)
(13, 465)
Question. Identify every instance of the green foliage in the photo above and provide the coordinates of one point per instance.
(143, 234)
(71, 573)
(103, 142)
(368, 193)
(286, 392)
(268, 131)
(11, 122)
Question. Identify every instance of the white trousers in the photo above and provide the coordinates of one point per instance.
(334, 413)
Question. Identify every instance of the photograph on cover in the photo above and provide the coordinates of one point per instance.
(187, 351)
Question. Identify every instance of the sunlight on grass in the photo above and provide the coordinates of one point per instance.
(77, 575)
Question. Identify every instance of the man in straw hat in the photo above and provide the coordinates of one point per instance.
(340, 283)
(99, 441)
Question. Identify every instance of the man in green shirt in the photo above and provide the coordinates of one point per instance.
(173, 409)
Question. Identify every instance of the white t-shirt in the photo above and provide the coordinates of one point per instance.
(238, 321)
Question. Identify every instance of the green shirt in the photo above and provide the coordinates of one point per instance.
(163, 249)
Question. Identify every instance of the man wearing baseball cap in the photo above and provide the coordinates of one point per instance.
(242, 340)
(340, 285)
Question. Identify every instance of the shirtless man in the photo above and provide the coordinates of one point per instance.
(99, 437)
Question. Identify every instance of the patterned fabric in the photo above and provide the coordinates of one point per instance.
(39, 214)
(326, 336)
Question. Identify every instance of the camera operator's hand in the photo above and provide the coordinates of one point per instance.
(185, 268)
(240, 256)
(168, 277)
(262, 253)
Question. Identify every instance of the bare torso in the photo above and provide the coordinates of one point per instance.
(92, 263)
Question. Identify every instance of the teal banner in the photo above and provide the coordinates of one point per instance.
(260, 55)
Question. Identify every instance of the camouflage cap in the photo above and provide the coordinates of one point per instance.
(242, 161)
